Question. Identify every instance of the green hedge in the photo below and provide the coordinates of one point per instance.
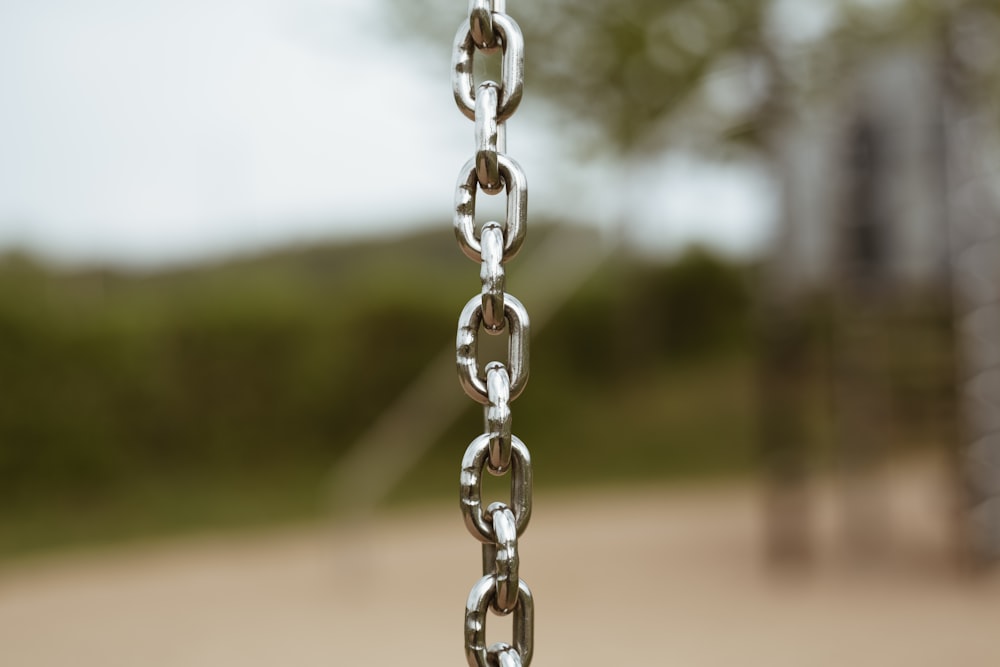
(267, 368)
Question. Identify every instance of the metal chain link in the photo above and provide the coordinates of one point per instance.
(499, 525)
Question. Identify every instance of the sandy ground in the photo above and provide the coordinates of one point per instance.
(641, 577)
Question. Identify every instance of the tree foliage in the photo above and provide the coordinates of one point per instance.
(634, 72)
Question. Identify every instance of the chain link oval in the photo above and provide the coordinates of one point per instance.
(478, 522)
(492, 276)
(506, 560)
(481, 24)
(516, 223)
(463, 83)
(467, 348)
(498, 417)
(488, 138)
(477, 607)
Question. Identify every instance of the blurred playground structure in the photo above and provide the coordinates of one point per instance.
(890, 209)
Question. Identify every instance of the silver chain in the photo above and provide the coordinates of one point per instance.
(499, 525)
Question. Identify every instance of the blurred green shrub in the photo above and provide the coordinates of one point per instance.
(115, 381)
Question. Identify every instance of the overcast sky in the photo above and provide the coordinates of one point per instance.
(153, 131)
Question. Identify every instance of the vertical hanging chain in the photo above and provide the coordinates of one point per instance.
(498, 525)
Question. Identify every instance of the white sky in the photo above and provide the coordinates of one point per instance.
(153, 131)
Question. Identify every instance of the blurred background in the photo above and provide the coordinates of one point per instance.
(763, 272)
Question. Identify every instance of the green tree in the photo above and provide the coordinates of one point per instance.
(629, 75)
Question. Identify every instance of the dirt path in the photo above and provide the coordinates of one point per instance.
(641, 577)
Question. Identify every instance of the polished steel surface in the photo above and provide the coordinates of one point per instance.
(488, 138)
(477, 520)
(503, 656)
(463, 83)
(506, 559)
(481, 24)
(516, 224)
(492, 276)
(495, 384)
(476, 608)
(472, 379)
(498, 417)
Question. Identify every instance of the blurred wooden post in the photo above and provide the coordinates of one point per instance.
(782, 345)
(862, 288)
(783, 339)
